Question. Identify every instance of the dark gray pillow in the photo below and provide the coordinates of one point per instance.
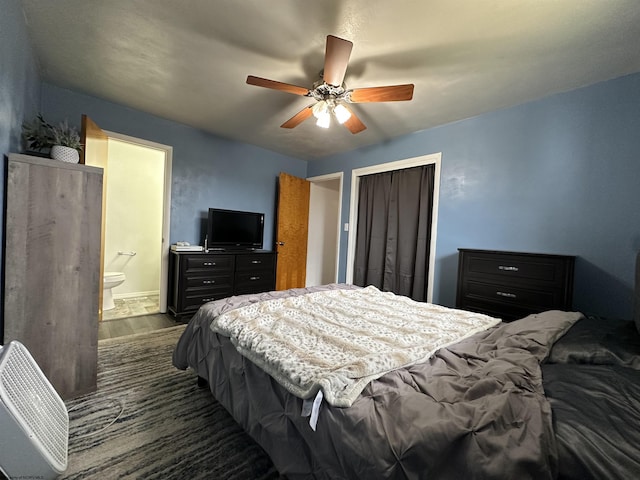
(599, 341)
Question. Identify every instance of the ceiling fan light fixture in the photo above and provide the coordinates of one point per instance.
(320, 109)
(342, 113)
(324, 120)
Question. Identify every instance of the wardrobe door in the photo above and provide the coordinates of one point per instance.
(52, 267)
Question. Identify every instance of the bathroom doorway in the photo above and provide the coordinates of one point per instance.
(137, 218)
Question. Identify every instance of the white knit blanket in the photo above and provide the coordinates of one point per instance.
(340, 340)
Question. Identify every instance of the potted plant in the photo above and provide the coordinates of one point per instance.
(37, 134)
(66, 143)
(62, 140)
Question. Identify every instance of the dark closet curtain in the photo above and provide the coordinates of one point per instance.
(394, 231)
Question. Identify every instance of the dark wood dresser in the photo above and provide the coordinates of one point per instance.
(512, 285)
(196, 278)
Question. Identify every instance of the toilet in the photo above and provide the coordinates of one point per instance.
(111, 280)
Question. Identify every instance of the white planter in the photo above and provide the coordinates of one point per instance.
(65, 154)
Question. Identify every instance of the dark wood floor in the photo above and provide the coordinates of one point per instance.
(140, 324)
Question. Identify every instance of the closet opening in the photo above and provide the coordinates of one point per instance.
(429, 231)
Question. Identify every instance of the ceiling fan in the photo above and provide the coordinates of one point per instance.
(330, 93)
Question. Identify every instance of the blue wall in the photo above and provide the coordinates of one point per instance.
(19, 92)
(558, 175)
(19, 79)
(208, 171)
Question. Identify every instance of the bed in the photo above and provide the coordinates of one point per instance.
(552, 395)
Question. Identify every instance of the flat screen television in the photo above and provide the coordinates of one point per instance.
(232, 229)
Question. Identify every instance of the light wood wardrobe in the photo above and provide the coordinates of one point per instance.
(52, 267)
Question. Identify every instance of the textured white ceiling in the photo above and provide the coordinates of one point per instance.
(188, 60)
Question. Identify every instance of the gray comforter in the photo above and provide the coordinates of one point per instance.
(476, 409)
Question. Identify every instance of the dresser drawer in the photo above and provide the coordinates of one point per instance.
(508, 268)
(247, 288)
(255, 262)
(503, 311)
(542, 299)
(194, 263)
(193, 299)
(254, 282)
(195, 281)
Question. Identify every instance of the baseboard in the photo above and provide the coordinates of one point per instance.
(136, 294)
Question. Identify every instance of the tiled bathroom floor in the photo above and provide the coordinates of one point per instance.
(132, 307)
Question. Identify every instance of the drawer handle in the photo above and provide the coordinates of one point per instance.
(209, 264)
(256, 261)
(205, 300)
(254, 278)
(508, 269)
(208, 281)
(505, 294)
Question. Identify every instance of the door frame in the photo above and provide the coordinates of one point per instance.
(435, 159)
(318, 180)
(166, 208)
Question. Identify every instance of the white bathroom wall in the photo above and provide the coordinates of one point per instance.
(135, 185)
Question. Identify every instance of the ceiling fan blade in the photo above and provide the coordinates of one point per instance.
(284, 87)
(353, 123)
(392, 93)
(336, 59)
(298, 118)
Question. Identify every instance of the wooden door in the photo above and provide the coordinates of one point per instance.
(96, 154)
(292, 231)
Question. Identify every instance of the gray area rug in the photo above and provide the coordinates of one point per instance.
(148, 420)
